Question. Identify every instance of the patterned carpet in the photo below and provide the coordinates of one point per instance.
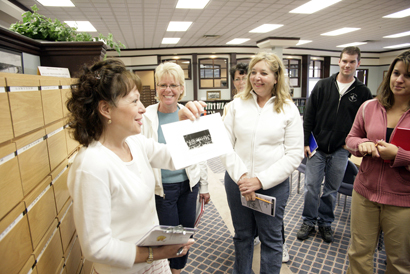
(214, 252)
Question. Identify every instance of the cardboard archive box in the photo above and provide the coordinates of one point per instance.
(15, 241)
(25, 103)
(11, 191)
(33, 160)
(6, 131)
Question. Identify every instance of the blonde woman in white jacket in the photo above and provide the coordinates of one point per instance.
(266, 132)
(176, 191)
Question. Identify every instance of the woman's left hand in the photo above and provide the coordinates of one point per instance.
(387, 151)
(204, 196)
(249, 185)
(192, 110)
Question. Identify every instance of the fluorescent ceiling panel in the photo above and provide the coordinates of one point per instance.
(238, 41)
(398, 46)
(302, 42)
(397, 35)
(170, 40)
(81, 26)
(56, 3)
(192, 4)
(352, 44)
(340, 31)
(399, 14)
(314, 6)
(178, 26)
(266, 28)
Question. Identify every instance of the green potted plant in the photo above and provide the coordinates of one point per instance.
(37, 26)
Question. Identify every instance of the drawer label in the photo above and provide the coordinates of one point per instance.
(65, 87)
(23, 89)
(7, 158)
(21, 150)
(54, 132)
(2, 89)
(11, 226)
(65, 213)
(45, 246)
(49, 87)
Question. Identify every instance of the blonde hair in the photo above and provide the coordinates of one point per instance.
(171, 69)
(280, 90)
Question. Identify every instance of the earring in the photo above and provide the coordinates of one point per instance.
(109, 121)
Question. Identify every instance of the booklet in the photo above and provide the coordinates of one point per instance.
(200, 208)
(263, 203)
(166, 235)
(401, 138)
(312, 145)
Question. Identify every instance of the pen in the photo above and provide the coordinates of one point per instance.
(266, 201)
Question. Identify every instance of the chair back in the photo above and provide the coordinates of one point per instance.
(350, 173)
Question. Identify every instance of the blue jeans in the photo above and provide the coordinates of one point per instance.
(178, 207)
(245, 222)
(320, 209)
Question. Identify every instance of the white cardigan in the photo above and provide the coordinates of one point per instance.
(114, 202)
(268, 145)
(196, 173)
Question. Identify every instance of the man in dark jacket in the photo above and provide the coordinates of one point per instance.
(329, 115)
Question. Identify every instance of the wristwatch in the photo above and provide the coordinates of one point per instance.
(150, 255)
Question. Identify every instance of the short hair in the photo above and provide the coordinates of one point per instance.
(384, 93)
(107, 80)
(281, 89)
(351, 51)
(241, 67)
(171, 69)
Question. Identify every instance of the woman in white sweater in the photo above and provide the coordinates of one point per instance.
(111, 180)
(265, 129)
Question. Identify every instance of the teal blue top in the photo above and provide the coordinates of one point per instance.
(168, 176)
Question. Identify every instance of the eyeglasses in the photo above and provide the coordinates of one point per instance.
(240, 79)
(163, 86)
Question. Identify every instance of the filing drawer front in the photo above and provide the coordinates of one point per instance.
(34, 166)
(11, 191)
(41, 212)
(65, 95)
(71, 143)
(15, 246)
(57, 148)
(28, 266)
(67, 227)
(61, 193)
(6, 131)
(73, 259)
(52, 106)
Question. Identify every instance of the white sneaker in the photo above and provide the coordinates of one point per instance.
(285, 254)
(256, 241)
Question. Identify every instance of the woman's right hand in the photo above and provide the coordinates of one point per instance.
(368, 148)
(171, 251)
(192, 110)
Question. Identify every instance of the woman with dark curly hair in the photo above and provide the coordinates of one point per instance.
(111, 179)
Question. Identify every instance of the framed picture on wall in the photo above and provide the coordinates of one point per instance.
(11, 61)
(213, 95)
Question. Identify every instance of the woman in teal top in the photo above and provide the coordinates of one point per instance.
(176, 191)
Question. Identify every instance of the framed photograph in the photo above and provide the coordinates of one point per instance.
(10, 61)
(213, 95)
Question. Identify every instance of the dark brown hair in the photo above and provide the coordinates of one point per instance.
(384, 92)
(351, 51)
(107, 81)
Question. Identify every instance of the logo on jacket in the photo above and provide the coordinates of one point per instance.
(353, 97)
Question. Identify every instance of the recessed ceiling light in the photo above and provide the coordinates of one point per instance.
(266, 28)
(301, 42)
(190, 4)
(352, 44)
(81, 25)
(170, 40)
(178, 26)
(397, 35)
(339, 31)
(238, 41)
(314, 6)
(56, 3)
(398, 46)
(399, 14)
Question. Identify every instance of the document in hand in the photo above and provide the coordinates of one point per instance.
(312, 144)
(166, 235)
(191, 142)
(265, 204)
(200, 209)
(401, 138)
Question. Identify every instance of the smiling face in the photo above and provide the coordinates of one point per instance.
(167, 95)
(126, 116)
(400, 82)
(348, 65)
(262, 79)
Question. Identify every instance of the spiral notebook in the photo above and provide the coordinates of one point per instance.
(166, 235)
